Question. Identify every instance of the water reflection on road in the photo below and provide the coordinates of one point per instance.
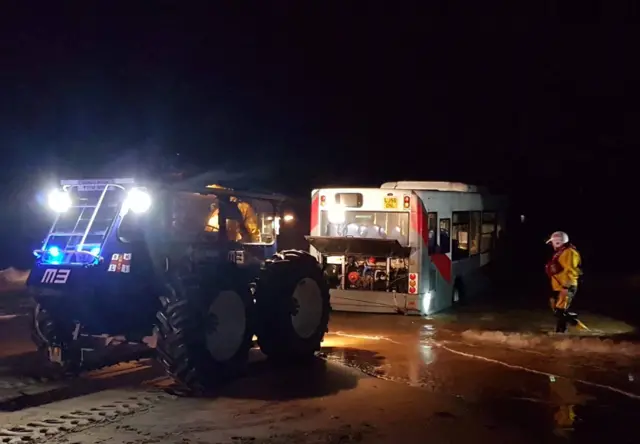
(520, 374)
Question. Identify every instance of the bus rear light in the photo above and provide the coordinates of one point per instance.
(323, 200)
(413, 283)
(407, 202)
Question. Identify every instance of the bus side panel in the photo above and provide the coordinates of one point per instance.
(472, 272)
(444, 273)
(442, 289)
(472, 277)
(436, 269)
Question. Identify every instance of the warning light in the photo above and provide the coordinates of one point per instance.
(413, 283)
(323, 200)
(407, 201)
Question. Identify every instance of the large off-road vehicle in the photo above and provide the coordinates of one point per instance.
(197, 265)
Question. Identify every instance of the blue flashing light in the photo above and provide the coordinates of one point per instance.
(54, 252)
(95, 251)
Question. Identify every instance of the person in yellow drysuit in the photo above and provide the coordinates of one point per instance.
(234, 230)
(563, 270)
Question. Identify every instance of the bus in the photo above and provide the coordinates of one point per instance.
(407, 247)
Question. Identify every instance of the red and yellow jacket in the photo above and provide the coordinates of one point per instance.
(564, 268)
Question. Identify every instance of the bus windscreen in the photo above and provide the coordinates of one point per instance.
(368, 224)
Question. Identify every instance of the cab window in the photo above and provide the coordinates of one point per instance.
(487, 242)
(474, 233)
(244, 224)
(445, 236)
(432, 229)
(460, 235)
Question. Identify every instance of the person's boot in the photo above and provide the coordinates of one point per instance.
(561, 326)
(561, 322)
(572, 318)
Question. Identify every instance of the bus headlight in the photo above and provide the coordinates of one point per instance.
(426, 302)
(138, 201)
(337, 214)
(59, 201)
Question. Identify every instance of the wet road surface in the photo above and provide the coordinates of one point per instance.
(461, 378)
(581, 385)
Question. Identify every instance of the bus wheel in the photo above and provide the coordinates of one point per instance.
(457, 295)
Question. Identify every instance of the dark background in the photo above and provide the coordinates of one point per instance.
(539, 103)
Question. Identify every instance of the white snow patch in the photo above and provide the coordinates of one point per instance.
(565, 343)
(13, 277)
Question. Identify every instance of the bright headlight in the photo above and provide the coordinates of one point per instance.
(59, 201)
(138, 201)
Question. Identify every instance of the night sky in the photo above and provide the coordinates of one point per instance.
(540, 103)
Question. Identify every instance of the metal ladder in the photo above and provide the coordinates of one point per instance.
(88, 213)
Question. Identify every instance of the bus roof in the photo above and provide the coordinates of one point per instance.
(430, 186)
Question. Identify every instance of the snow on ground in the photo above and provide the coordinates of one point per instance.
(13, 275)
(585, 343)
(12, 278)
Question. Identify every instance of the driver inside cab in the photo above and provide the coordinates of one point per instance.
(247, 232)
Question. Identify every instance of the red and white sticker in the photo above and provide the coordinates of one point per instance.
(120, 263)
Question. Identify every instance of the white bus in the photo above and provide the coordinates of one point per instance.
(406, 247)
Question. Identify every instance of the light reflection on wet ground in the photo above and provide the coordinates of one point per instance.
(580, 385)
(584, 387)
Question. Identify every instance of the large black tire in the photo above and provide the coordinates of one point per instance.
(43, 333)
(292, 306)
(42, 327)
(204, 332)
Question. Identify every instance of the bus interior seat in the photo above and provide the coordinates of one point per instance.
(352, 230)
(374, 232)
(396, 233)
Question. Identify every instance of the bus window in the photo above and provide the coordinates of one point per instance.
(487, 242)
(460, 235)
(349, 200)
(474, 233)
(445, 236)
(432, 225)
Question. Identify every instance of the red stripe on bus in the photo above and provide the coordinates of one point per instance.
(315, 209)
(443, 265)
(416, 215)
